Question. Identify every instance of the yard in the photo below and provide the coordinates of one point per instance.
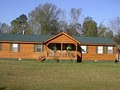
(33, 75)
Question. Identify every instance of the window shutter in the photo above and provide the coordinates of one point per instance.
(0, 46)
(96, 49)
(114, 49)
(86, 49)
(10, 47)
(107, 49)
(18, 47)
(104, 50)
(34, 47)
(43, 48)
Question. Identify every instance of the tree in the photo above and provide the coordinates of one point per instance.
(117, 38)
(74, 30)
(90, 27)
(104, 31)
(101, 30)
(74, 26)
(109, 34)
(4, 28)
(115, 25)
(46, 17)
(63, 26)
(75, 14)
(20, 25)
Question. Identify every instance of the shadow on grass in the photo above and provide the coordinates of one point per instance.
(3, 88)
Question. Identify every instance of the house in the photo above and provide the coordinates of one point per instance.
(61, 47)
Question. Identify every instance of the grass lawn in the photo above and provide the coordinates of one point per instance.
(33, 75)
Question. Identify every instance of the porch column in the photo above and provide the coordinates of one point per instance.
(61, 49)
(76, 51)
(47, 49)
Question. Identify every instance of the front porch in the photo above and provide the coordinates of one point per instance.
(62, 51)
(62, 47)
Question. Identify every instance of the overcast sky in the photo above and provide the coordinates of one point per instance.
(99, 10)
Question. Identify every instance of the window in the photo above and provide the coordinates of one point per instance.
(14, 47)
(38, 48)
(100, 49)
(110, 50)
(0, 46)
(84, 49)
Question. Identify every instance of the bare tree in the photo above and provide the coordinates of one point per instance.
(75, 14)
(115, 25)
(74, 27)
(4, 28)
(45, 19)
(102, 30)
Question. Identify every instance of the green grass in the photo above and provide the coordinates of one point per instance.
(33, 75)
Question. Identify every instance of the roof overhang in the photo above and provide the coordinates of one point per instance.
(21, 42)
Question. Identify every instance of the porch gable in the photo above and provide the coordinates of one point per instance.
(62, 38)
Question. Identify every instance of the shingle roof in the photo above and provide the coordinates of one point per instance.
(23, 38)
(42, 38)
(95, 40)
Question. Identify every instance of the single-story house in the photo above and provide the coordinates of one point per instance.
(61, 47)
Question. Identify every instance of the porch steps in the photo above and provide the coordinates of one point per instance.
(41, 58)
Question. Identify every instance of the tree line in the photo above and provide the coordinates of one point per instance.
(49, 19)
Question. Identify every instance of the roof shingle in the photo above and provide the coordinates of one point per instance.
(23, 38)
(95, 40)
(42, 38)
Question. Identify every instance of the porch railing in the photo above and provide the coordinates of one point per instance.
(62, 53)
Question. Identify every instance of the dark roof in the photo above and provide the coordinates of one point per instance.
(95, 40)
(42, 38)
(24, 38)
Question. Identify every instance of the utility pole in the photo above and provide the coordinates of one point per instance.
(23, 27)
(23, 32)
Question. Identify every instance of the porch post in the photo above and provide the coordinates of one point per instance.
(76, 51)
(61, 49)
(47, 49)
